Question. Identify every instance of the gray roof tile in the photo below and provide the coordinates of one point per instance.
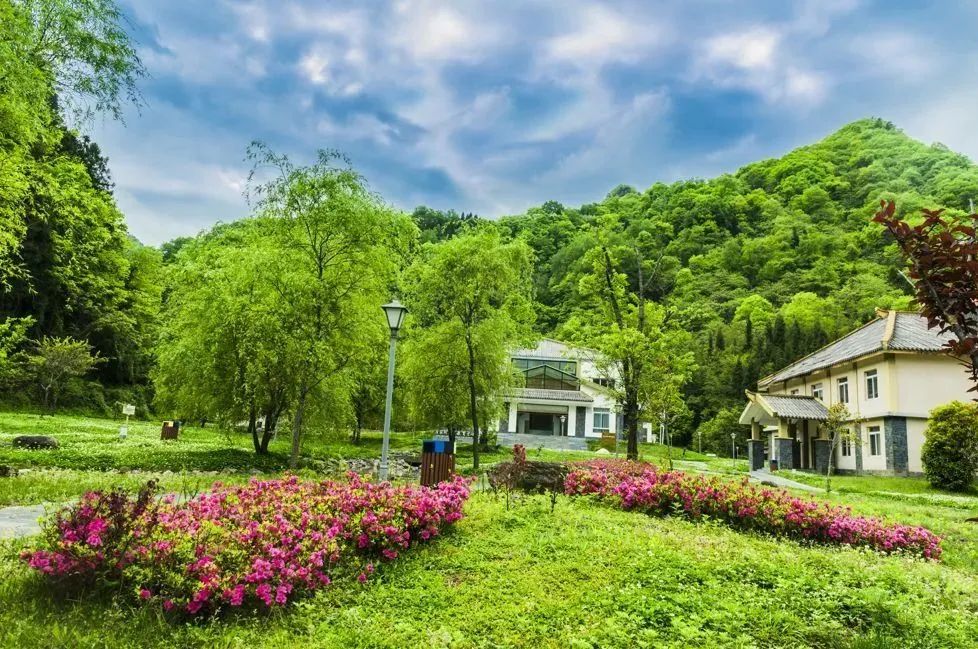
(910, 333)
(796, 406)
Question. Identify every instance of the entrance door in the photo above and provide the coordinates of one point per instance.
(541, 423)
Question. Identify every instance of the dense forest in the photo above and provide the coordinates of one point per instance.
(753, 268)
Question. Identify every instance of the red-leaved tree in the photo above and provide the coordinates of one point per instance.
(943, 258)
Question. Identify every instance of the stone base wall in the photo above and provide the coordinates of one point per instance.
(755, 454)
(823, 452)
(785, 452)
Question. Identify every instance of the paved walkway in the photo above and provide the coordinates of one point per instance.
(16, 522)
(763, 475)
(546, 441)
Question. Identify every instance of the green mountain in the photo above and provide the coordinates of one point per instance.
(769, 262)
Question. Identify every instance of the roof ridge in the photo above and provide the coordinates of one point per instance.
(891, 318)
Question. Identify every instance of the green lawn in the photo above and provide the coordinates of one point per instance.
(585, 576)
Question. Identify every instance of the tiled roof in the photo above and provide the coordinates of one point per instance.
(551, 395)
(909, 333)
(795, 406)
(553, 349)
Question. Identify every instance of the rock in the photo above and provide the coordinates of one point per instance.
(602, 451)
(35, 442)
(7, 471)
(768, 483)
(536, 477)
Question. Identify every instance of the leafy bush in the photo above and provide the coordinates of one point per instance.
(950, 452)
(642, 487)
(258, 544)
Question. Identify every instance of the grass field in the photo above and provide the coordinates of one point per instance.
(585, 575)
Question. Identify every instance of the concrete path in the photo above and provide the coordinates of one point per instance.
(546, 441)
(16, 522)
(763, 475)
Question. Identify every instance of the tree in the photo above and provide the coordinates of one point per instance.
(338, 250)
(470, 301)
(950, 451)
(57, 360)
(841, 429)
(635, 347)
(943, 257)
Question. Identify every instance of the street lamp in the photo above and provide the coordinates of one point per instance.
(395, 316)
(733, 445)
(563, 428)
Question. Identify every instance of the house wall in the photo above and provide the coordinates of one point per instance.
(915, 443)
(910, 386)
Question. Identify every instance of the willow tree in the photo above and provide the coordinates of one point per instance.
(338, 248)
(470, 301)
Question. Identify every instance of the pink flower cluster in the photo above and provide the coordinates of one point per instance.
(643, 487)
(261, 543)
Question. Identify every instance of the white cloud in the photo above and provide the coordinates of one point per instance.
(431, 32)
(753, 49)
(756, 59)
(314, 66)
(895, 54)
(599, 36)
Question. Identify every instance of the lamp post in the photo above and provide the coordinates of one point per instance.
(563, 428)
(733, 445)
(395, 315)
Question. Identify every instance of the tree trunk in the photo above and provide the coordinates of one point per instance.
(297, 428)
(253, 429)
(473, 411)
(828, 470)
(631, 424)
(271, 421)
(452, 434)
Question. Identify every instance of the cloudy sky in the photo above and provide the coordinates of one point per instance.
(491, 107)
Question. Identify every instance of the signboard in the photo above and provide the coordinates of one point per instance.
(128, 409)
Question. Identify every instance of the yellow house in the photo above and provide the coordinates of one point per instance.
(890, 373)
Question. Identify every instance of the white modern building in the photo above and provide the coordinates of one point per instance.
(563, 394)
(890, 373)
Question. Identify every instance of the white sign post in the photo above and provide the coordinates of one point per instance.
(128, 410)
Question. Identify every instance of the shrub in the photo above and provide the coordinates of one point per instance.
(950, 452)
(642, 487)
(258, 544)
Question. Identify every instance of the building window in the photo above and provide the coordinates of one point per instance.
(843, 390)
(817, 391)
(602, 420)
(794, 391)
(605, 383)
(875, 441)
(846, 446)
(872, 385)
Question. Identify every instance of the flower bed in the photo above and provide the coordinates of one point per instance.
(262, 543)
(642, 487)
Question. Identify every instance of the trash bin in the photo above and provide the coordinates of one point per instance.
(437, 461)
(774, 465)
(170, 430)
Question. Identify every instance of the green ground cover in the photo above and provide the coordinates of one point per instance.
(584, 576)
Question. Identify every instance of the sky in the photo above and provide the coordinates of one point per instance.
(493, 107)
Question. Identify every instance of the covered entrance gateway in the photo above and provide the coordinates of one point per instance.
(791, 425)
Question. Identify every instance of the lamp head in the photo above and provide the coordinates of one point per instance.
(395, 315)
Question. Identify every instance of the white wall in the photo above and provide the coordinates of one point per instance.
(915, 443)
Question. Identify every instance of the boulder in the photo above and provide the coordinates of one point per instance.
(35, 441)
(7, 471)
(535, 477)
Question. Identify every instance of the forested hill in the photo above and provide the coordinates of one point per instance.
(762, 265)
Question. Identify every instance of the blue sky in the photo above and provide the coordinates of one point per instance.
(491, 107)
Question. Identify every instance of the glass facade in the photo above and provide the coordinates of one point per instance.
(547, 374)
